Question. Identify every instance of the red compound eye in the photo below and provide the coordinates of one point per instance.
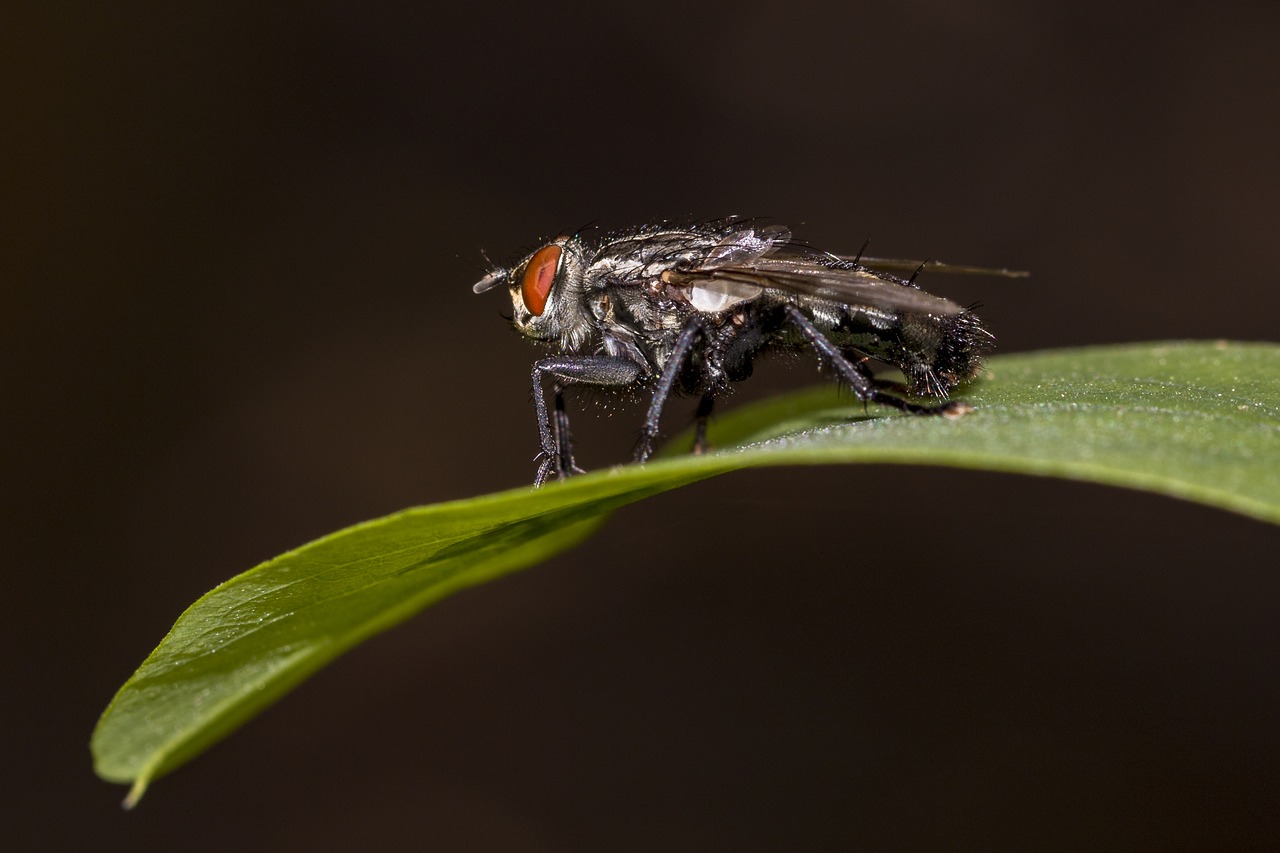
(538, 277)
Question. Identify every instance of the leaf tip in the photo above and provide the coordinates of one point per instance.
(135, 793)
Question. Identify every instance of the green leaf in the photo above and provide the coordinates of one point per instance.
(1199, 421)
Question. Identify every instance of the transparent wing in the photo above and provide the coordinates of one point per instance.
(745, 244)
(894, 265)
(846, 284)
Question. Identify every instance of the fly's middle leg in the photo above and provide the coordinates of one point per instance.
(700, 424)
(666, 383)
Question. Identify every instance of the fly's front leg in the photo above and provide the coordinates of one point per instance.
(684, 343)
(553, 430)
(858, 379)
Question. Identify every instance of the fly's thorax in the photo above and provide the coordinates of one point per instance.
(548, 295)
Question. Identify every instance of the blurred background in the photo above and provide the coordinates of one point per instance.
(239, 240)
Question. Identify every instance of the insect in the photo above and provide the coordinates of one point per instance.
(687, 309)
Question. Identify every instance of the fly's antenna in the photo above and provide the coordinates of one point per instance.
(493, 275)
(488, 268)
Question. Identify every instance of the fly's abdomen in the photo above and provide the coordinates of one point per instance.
(939, 353)
(935, 353)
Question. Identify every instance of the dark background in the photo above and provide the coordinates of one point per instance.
(239, 240)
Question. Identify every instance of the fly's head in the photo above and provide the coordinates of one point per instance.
(548, 295)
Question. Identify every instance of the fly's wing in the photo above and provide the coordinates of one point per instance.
(745, 244)
(636, 260)
(890, 264)
(832, 281)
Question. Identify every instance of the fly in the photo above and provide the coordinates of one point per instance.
(686, 310)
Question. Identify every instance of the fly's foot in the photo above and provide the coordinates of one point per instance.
(560, 468)
(700, 445)
(644, 446)
(700, 419)
(954, 409)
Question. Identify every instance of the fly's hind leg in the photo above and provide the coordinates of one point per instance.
(859, 379)
(862, 363)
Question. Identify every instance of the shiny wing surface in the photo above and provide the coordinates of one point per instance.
(848, 285)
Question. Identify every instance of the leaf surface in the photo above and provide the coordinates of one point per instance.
(1199, 421)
